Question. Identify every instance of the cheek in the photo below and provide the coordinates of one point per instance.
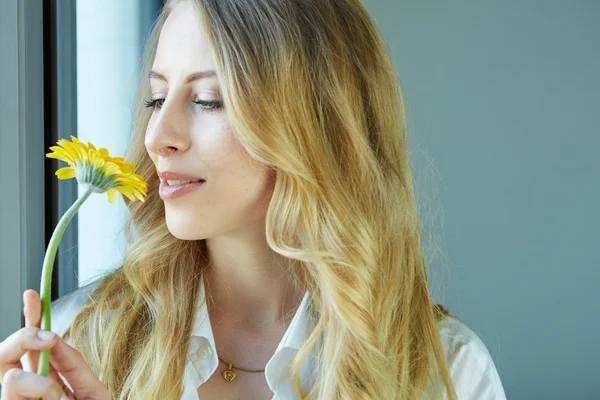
(248, 179)
(224, 152)
(240, 181)
(249, 182)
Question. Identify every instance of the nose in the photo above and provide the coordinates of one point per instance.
(168, 131)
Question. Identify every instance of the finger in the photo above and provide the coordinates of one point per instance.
(23, 340)
(73, 367)
(32, 309)
(19, 384)
(33, 315)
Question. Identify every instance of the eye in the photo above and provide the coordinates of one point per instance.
(210, 105)
(154, 103)
(206, 105)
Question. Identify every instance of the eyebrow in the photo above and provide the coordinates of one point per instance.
(190, 78)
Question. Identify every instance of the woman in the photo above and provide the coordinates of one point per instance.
(291, 265)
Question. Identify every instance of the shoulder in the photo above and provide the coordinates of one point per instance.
(470, 364)
(65, 309)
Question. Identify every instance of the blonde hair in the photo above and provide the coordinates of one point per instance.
(311, 92)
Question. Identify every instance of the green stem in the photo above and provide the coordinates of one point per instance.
(46, 283)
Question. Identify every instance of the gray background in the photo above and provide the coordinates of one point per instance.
(503, 101)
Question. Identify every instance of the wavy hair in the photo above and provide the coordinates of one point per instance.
(311, 92)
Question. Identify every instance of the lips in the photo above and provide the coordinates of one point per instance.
(167, 192)
(177, 176)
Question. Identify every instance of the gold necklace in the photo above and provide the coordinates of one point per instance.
(229, 375)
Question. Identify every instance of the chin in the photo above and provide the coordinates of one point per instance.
(183, 235)
(186, 235)
(183, 231)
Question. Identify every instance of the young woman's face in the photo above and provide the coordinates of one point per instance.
(189, 133)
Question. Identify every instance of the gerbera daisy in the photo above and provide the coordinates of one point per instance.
(97, 170)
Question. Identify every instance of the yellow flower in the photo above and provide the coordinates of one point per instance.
(97, 170)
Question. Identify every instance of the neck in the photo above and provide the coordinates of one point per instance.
(247, 283)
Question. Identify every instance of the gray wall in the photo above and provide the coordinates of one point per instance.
(503, 103)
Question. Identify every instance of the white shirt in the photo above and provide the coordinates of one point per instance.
(471, 366)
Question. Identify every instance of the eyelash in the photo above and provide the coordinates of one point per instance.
(206, 105)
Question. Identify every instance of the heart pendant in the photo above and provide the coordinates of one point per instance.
(229, 375)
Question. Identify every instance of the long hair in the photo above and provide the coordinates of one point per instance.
(311, 92)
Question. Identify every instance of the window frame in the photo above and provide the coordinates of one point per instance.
(22, 217)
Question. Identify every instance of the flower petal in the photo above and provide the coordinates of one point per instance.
(140, 196)
(60, 154)
(65, 173)
(111, 169)
(124, 190)
(71, 150)
(111, 195)
(95, 159)
(127, 167)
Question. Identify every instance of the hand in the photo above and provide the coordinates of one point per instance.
(18, 384)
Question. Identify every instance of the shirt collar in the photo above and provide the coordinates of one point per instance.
(203, 359)
(277, 371)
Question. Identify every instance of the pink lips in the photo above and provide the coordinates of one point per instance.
(176, 176)
(167, 192)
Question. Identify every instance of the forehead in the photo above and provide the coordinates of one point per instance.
(182, 43)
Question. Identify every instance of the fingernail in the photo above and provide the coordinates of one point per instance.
(45, 335)
(64, 397)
